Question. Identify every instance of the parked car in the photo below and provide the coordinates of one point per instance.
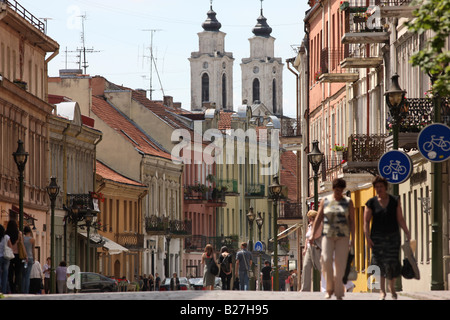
(94, 282)
(197, 284)
(184, 284)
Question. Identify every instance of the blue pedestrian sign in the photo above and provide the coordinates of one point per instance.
(395, 166)
(434, 142)
(259, 246)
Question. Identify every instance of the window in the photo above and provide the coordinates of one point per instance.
(205, 87)
(224, 91)
(256, 87)
(274, 95)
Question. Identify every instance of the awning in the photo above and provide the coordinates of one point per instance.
(288, 231)
(113, 247)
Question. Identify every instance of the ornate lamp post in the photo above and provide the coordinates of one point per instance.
(259, 222)
(53, 191)
(395, 99)
(168, 238)
(20, 158)
(251, 217)
(275, 190)
(315, 158)
(88, 218)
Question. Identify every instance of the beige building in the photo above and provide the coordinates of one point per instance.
(73, 144)
(24, 113)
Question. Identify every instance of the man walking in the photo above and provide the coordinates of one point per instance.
(243, 265)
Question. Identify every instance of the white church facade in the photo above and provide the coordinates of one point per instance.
(212, 69)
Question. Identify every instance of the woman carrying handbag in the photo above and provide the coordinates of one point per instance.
(6, 254)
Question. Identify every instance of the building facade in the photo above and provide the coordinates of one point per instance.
(24, 113)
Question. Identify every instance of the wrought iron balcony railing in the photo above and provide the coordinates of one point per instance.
(366, 148)
(255, 190)
(229, 186)
(420, 113)
(292, 210)
(162, 225)
(290, 127)
(24, 13)
(130, 240)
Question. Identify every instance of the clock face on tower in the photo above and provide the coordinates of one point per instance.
(255, 70)
(205, 65)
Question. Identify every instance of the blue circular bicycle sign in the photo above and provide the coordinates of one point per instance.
(434, 142)
(395, 166)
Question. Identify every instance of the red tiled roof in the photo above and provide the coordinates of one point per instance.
(125, 127)
(288, 173)
(109, 174)
(225, 120)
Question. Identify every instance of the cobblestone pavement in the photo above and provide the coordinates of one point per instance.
(229, 295)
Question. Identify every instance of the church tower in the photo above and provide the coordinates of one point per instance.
(262, 73)
(211, 68)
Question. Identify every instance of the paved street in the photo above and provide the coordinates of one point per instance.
(230, 296)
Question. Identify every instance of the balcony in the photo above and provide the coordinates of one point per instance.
(359, 59)
(420, 114)
(21, 20)
(290, 131)
(364, 152)
(160, 225)
(255, 191)
(364, 26)
(197, 243)
(230, 187)
(292, 211)
(397, 8)
(200, 194)
(331, 70)
(132, 241)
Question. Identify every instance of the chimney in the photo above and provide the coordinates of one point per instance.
(177, 105)
(142, 92)
(168, 101)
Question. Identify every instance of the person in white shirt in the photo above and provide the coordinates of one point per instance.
(36, 276)
(47, 269)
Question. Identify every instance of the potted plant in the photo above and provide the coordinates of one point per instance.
(338, 149)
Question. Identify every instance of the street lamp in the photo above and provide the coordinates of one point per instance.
(251, 217)
(259, 222)
(315, 158)
(20, 158)
(53, 191)
(275, 190)
(88, 218)
(168, 238)
(395, 99)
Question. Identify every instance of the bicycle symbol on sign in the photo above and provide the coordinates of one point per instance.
(428, 146)
(394, 168)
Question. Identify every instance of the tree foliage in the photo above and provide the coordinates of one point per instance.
(434, 58)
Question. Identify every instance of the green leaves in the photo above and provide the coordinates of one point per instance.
(433, 17)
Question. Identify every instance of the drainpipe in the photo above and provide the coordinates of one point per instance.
(53, 55)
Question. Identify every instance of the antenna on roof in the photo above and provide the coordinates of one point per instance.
(83, 50)
(153, 62)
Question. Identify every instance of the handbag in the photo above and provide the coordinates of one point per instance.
(350, 271)
(8, 252)
(407, 270)
(213, 268)
(21, 247)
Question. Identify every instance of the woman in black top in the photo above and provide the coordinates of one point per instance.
(384, 236)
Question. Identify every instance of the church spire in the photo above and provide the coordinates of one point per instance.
(262, 29)
(211, 23)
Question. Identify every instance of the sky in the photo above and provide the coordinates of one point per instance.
(117, 34)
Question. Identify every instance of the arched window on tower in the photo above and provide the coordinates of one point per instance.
(256, 96)
(274, 95)
(205, 88)
(224, 91)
